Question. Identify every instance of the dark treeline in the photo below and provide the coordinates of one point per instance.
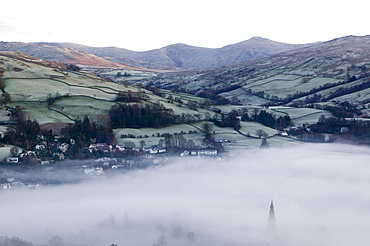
(340, 129)
(141, 115)
(13, 241)
(268, 119)
(225, 89)
(340, 110)
(83, 131)
(216, 99)
(341, 126)
(232, 119)
(228, 120)
(343, 91)
(318, 97)
(153, 115)
(23, 134)
(314, 90)
(130, 96)
(154, 89)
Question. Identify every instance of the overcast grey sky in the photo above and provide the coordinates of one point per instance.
(320, 194)
(145, 24)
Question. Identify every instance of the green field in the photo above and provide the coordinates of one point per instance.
(301, 115)
(284, 84)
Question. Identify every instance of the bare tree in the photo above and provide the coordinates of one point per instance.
(261, 133)
(142, 143)
(207, 128)
(14, 151)
(162, 241)
(190, 238)
(56, 241)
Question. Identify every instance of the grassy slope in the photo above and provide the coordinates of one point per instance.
(87, 94)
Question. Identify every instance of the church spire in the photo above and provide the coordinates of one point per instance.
(272, 212)
(271, 227)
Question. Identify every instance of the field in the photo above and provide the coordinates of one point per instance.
(284, 84)
(300, 115)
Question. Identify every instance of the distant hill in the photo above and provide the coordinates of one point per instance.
(59, 54)
(186, 56)
(336, 70)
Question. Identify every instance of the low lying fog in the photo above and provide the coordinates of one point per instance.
(320, 193)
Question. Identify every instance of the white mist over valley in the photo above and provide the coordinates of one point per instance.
(319, 192)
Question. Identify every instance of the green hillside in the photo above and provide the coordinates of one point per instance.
(53, 95)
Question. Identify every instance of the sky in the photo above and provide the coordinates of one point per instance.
(320, 193)
(145, 24)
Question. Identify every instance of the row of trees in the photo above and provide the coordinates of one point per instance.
(141, 115)
(267, 119)
(216, 99)
(131, 96)
(340, 129)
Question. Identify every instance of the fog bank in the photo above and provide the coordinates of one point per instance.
(319, 192)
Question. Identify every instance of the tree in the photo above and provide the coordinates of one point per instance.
(162, 241)
(129, 144)
(207, 128)
(13, 241)
(14, 151)
(2, 84)
(179, 141)
(190, 238)
(190, 144)
(56, 241)
(161, 143)
(5, 98)
(142, 143)
(261, 133)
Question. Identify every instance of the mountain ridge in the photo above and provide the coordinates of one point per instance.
(181, 55)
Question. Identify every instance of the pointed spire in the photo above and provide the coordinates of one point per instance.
(272, 236)
(272, 212)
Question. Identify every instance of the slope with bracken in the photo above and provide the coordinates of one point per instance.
(58, 54)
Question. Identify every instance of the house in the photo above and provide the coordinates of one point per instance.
(94, 171)
(344, 129)
(12, 159)
(221, 140)
(100, 147)
(120, 147)
(156, 150)
(60, 156)
(63, 147)
(207, 152)
(39, 147)
(28, 154)
(200, 152)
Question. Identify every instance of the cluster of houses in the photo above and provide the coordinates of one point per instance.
(61, 150)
